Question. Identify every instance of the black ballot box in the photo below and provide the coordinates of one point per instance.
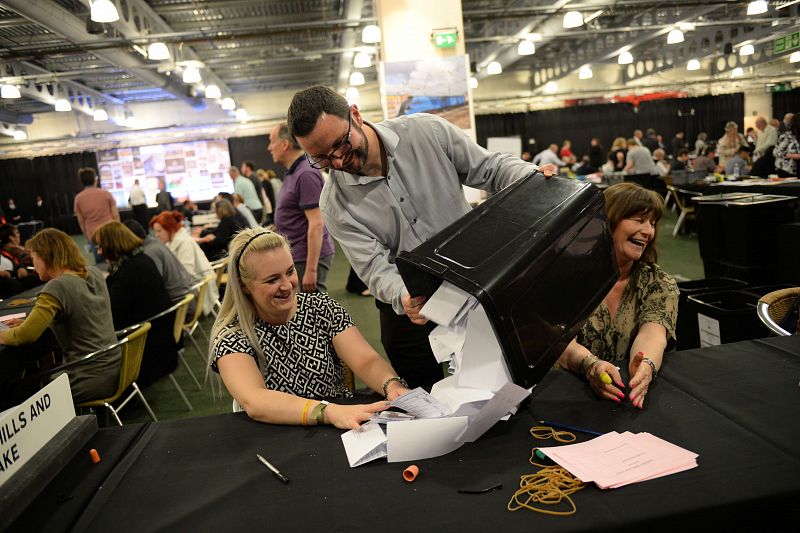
(723, 317)
(538, 256)
(788, 265)
(686, 331)
(738, 236)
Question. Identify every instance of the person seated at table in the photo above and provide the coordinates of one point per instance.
(739, 163)
(636, 320)
(169, 229)
(214, 241)
(280, 352)
(137, 292)
(705, 161)
(177, 279)
(19, 256)
(681, 160)
(75, 305)
(660, 159)
(188, 209)
(238, 203)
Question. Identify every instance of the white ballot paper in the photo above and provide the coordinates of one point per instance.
(461, 407)
(364, 444)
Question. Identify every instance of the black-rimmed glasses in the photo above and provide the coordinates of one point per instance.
(344, 148)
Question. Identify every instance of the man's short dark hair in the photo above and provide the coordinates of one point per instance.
(250, 165)
(226, 196)
(309, 104)
(682, 152)
(283, 133)
(87, 176)
(137, 229)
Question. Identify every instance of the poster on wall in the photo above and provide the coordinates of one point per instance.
(437, 85)
(197, 170)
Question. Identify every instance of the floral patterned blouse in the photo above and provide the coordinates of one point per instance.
(787, 144)
(651, 296)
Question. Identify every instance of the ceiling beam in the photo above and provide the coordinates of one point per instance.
(62, 22)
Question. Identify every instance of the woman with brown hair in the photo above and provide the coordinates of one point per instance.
(636, 320)
(75, 305)
(137, 292)
(168, 227)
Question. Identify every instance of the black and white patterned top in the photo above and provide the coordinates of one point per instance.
(300, 355)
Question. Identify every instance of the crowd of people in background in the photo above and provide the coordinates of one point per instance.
(771, 148)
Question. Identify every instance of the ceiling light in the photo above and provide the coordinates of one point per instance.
(241, 114)
(473, 82)
(20, 135)
(757, 7)
(625, 58)
(100, 115)
(526, 48)
(356, 78)
(62, 104)
(795, 57)
(9, 91)
(693, 64)
(550, 87)
(191, 75)
(738, 72)
(675, 37)
(494, 68)
(228, 104)
(157, 51)
(747, 50)
(212, 91)
(371, 34)
(585, 72)
(351, 95)
(362, 60)
(104, 11)
(573, 19)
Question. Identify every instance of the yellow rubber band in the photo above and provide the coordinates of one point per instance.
(304, 417)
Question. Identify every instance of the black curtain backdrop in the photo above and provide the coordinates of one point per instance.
(608, 121)
(783, 103)
(54, 178)
(253, 149)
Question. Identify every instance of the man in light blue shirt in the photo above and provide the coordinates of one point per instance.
(393, 186)
(244, 188)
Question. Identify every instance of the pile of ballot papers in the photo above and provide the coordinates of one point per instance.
(617, 459)
(461, 407)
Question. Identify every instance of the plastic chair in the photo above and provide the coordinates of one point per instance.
(181, 308)
(220, 267)
(193, 324)
(686, 210)
(132, 346)
(773, 307)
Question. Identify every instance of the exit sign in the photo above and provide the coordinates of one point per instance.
(445, 39)
(786, 42)
(782, 87)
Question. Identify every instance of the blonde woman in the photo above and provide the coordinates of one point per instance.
(280, 352)
(74, 304)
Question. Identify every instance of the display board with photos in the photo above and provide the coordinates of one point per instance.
(196, 170)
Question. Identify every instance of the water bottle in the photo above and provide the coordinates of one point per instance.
(736, 172)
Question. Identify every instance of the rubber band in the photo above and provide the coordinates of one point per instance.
(547, 432)
(551, 485)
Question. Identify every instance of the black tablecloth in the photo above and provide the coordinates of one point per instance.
(735, 405)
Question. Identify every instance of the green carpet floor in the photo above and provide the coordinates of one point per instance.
(677, 255)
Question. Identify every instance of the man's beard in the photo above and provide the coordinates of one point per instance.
(360, 154)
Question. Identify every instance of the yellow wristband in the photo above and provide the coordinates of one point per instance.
(304, 417)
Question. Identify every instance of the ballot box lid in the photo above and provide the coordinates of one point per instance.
(538, 256)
